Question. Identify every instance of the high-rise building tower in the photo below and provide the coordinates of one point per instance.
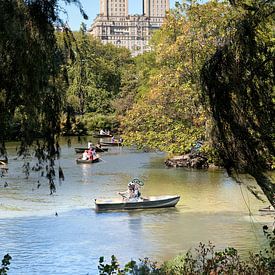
(114, 7)
(114, 25)
(155, 8)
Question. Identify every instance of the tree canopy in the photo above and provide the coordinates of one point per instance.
(31, 87)
(238, 83)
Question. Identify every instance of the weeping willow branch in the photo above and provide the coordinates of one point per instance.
(237, 83)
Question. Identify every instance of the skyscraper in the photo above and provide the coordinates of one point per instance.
(155, 8)
(114, 25)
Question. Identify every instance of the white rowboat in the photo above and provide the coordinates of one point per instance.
(149, 202)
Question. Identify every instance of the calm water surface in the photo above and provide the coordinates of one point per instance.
(212, 208)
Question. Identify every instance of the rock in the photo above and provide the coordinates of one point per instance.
(190, 160)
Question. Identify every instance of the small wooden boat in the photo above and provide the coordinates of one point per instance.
(115, 143)
(145, 203)
(4, 161)
(102, 135)
(97, 149)
(87, 161)
(268, 209)
(4, 167)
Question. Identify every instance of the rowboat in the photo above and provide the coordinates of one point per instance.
(102, 135)
(3, 166)
(268, 209)
(141, 203)
(87, 161)
(115, 143)
(97, 149)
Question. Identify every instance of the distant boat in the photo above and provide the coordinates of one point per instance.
(4, 161)
(114, 143)
(97, 149)
(87, 161)
(145, 203)
(102, 135)
(268, 209)
(3, 166)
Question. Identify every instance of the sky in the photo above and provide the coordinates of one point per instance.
(91, 7)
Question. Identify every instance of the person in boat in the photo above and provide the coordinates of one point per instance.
(129, 193)
(93, 152)
(137, 193)
(132, 193)
(90, 144)
(113, 139)
(85, 155)
(98, 145)
(102, 132)
(90, 153)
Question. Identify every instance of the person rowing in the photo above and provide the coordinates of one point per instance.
(133, 192)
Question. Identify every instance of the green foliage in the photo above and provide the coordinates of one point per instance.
(5, 263)
(204, 260)
(94, 74)
(143, 268)
(95, 122)
(167, 113)
(238, 89)
(74, 127)
(31, 65)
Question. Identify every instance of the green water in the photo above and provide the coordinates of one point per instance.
(212, 208)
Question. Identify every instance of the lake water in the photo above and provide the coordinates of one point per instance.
(212, 208)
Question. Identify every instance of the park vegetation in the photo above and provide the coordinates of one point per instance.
(209, 77)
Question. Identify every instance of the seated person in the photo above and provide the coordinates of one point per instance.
(90, 154)
(93, 152)
(90, 144)
(137, 193)
(85, 155)
(129, 193)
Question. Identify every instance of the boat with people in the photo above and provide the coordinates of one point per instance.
(141, 203)
(267, 210)
(87, 161)
(80, 150)
(3, 167)
(111, 143)
(102, 135)
(132, 199)
(4, 161)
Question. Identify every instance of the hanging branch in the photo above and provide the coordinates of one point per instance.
(237, 86)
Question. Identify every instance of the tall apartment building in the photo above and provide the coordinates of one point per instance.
(114, 25)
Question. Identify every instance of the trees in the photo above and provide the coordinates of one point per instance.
(31, 70)
(32, 83)
(168, 114)
(94, 75)
(213, 79)
(237, 84)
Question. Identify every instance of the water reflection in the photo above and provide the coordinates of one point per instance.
(212, 208)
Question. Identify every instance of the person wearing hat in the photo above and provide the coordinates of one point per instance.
(129, 193)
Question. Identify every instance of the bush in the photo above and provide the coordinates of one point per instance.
(95, 122)
(205, 260)
(5, 263)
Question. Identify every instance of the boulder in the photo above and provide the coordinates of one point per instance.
(190, 160)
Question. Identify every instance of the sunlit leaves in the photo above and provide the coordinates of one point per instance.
(169, 115)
